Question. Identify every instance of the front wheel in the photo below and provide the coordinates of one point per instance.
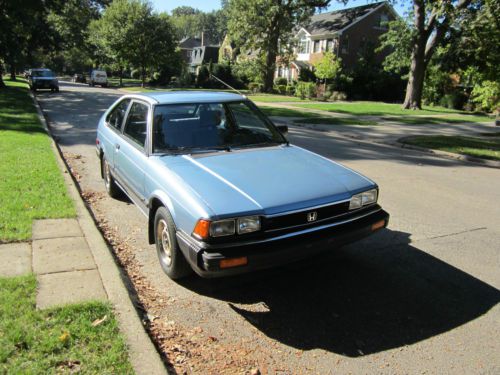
(109, 182)
(171, 259)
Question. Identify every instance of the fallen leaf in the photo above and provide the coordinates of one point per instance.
(97, 322)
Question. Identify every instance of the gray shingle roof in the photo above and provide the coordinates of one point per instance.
(331, 22)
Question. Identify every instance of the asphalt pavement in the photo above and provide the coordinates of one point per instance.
(419, 297)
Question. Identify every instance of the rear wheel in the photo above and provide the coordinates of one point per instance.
(109, 182)
(171, 259)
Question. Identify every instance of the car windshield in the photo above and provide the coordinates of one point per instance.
(211, 126)
(42, 73)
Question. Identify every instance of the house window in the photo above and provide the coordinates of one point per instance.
(345, 44)
(304, 46)
(316, 46)
(329, 45)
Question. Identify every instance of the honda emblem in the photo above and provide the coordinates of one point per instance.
(312, 216)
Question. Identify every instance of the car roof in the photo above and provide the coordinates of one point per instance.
(172, 97)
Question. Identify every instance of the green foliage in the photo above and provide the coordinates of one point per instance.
(487, 96)
(328, 66)
(281, 81)
(203, 76)
(130, 33)
(255, 87)
(263, 25)
(398, 40)
(305, 90)
(281, 89)
(248, 70)
(191, 22)
(306, 75)
(290, 90)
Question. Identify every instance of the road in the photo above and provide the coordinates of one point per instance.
(419, 297)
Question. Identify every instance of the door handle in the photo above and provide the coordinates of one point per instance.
(117, 146)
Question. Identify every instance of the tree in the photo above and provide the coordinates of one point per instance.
(130, 33)
(327, 67)
(431, 22)
(263, 25)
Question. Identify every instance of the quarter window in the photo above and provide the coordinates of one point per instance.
(136, 124)
(115, 118)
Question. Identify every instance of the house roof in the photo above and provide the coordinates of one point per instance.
(190, 42)
(331, 22)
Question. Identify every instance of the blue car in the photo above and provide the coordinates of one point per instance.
(222, 188)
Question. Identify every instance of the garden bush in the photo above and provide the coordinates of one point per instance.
(255, 87)
(305, 90)
(280, 81)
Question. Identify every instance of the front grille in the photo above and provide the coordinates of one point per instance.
(301, 218)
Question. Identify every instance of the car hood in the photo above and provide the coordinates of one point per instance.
(43, 78)
(265, 180)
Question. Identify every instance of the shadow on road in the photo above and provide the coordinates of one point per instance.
(359, 300)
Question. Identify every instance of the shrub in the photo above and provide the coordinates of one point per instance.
(306, 75)
(290, 90)
(280, 81)
(487, 96)
(327, 94)
(305, 90)
(255, 87)
(135, 73)
(337, 95)
(454, 100)
(281, 89)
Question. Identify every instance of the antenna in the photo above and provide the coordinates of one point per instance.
(225, 84)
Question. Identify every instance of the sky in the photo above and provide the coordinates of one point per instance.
(208, 5)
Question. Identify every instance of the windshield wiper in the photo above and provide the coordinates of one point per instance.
(260, 144)
(195, 150)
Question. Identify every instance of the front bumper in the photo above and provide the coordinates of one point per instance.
(291, 247)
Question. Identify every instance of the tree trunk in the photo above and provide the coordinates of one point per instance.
(121, 76)
(143, 77)
(2, 83)
(269, 71)
(413, 98)
(12, 72)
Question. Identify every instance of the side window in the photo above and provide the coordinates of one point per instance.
(136, 124)
(115, 118)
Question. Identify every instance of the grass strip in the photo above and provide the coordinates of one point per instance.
(31, 184)
(286, 112)
(480, 147)
(58, 340)
(379, 109)
(270, 98)
(336, 121)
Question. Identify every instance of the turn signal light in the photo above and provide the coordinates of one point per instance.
(233, 262)
(378, 225)
(202, 229)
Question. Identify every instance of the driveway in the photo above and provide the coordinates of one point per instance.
(419, 297)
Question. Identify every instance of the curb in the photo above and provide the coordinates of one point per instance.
(449, 155)
(400, 144)
(142, 353)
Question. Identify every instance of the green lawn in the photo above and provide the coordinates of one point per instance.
(59, 340)
(487, 147)
(377, 109)
(31, 184)
(286, 112)
(335, 121)
(449, 119)
(271, 98)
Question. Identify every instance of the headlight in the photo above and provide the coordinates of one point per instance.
(205, 228)
(248, 224)
(363, 199)
(222, 228)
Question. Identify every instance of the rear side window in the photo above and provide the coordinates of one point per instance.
(115, 118)
(136, 124)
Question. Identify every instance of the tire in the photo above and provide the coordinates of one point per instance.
(109, 182)
(171, 259)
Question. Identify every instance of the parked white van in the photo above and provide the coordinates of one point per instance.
(98, 77)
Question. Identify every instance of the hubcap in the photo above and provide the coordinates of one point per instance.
(163, 237)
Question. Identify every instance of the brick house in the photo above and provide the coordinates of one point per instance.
(197, 52)
(346, 32)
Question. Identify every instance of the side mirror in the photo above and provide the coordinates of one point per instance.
(283, 129)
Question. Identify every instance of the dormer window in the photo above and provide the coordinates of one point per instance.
(304, 45)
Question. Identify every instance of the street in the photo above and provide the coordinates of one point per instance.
(419, 297)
